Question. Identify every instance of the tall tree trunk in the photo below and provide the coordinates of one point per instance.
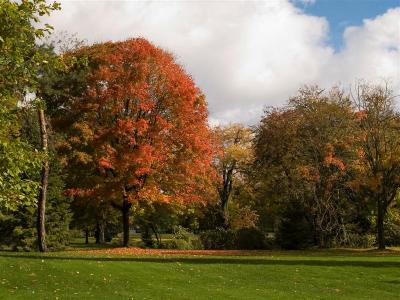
(96, 235)
(225, 212)
(87, 236)
(126, 207)
(41, 229)
(224, 194)
(380, 224)
(101, 232)
(153, 227)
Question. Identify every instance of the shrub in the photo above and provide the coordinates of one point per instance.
(182, 239)
(17, 231)
(294, 231)
(176, 244)
(358, 240)
(182, 234)
(243, 239)
(147, 237)
(392, 228)
(219, 238)
(250, 239)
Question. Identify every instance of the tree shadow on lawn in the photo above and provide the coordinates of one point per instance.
(219, 260)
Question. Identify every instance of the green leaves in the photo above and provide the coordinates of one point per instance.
(19, 58)
(20, 63)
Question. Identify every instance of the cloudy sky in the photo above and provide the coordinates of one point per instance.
(246, 55)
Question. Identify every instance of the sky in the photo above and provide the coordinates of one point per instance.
(343, 13)
(246, 55)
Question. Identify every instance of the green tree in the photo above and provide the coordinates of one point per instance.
(20, 226)
(19, 63)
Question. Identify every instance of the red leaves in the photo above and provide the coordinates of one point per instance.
(331, 160)
(105, 163)
(141, 126)
(360, 115)
(142, 171)
(125, 126)
(147, 123)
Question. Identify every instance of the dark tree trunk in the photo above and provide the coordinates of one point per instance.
(225, 212)
(126, 207)
(86, 236)
(100, 233)
(153, 227)
(41, 229)
(380, 224)
(224, 194)
(96, 235)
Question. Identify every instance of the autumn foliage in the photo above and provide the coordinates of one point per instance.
(141, 132)
(120, 132)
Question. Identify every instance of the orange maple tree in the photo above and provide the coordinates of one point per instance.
(139, 129)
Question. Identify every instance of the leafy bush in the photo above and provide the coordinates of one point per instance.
(358, 240)
(218, 238)
(250, 239)
(243, 239)
(24, 239)
(183, 239)
(147, 237)
(177, 244)
(18, 230)
(392, 228)
(294, 231)
(76, 233)
(181, 233)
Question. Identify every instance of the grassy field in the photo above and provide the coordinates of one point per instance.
(263, 275)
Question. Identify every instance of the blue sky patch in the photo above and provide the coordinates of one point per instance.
(344, 13)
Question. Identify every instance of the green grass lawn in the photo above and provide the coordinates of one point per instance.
(271, 275)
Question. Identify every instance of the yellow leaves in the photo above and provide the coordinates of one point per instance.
(63, 145)
(239, 153)
(74, 139)
(304, 171)
(242, 217)
(235, 144)
(309, 173)
(82, 157)
(355, 185)
(84, 129)
(374, 183)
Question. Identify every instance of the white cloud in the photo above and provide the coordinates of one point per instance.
(244, 55)
(371, 52)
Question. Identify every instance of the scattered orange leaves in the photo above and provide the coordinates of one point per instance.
(140, 251)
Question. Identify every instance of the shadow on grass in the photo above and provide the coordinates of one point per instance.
(218, 260)
(392, 281)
